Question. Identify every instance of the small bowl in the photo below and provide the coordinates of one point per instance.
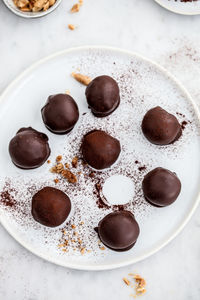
(10, 4)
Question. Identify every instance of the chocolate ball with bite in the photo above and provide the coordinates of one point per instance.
(119, 230)
(161, 127)
(50, 206)
(161, 187)
(60, 113)
(100, 150)
(29, 148)
(102, 95)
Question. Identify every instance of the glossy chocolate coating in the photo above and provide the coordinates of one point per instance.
(50, 207)
(60, 113)
(119, 230)
(161, 187)
(29, 148)
(160, 127)
(103, 95)
(100, 150)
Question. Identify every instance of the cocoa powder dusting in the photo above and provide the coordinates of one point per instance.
(7, 199)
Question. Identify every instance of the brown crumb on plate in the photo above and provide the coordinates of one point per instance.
(71, 26)
(75, 8)
(75, 162)
(126, 281)
(81, 78)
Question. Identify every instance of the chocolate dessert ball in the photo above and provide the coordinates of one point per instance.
(102, 95)
(161, 187)
(160, 127)
(100, 150)
(119, 230)
(50, 207)
(60, 113)
(29, 148)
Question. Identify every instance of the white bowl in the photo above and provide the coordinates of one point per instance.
(10, 4)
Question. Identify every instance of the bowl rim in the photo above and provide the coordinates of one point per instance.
(176, 11)
(30, 15)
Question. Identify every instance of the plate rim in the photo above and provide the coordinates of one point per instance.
(94, 267)
(176, 11)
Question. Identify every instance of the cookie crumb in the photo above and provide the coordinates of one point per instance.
(126, 281)
(102, 248)
(75, 8)
(75, 162)
(81, 78)
(139, 287)
(67, 92)
(59, 158)
(71, 26)
(82, 251)
(71, 178)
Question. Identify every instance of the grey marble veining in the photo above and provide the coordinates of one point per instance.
(141, 26)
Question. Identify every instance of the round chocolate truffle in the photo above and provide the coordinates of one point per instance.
(29, 148)
(103, 95)
(50, 207)
(119, 230)
(161, 187)
(60, 113)
(100, 150)
(161, 127)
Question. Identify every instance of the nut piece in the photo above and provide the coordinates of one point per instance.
(75, 8)
(75, 162)
(126, 281)
(34, 5)
(81, 78)
(140, 285)
(71, 27)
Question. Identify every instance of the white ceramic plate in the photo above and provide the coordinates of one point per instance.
(29, 15)
(184, 8)
(143, 85)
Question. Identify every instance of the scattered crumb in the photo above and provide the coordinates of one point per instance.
(73, 226)
(92, 174)
(75, 162)
(127, 282)
(59, 158)
(102, 248)
(71, 26)
(71, 178)
(75, 8)
(64, 250)
(67, 92)
(48, 161)
(82, 251)
(139, 287)
(56, 180)
(81, 78)
(59, 168)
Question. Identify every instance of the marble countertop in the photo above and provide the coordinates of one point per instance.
(141, 26)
